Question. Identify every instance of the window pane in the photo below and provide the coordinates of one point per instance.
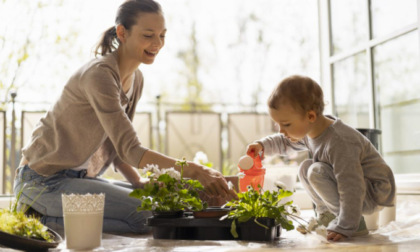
(349, 23)
(397, 69)
(400, 137)
(397, 76)
(351, 91)
(402, 12)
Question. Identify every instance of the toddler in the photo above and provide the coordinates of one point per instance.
(345, 176)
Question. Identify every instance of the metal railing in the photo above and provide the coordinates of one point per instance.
(221, 134)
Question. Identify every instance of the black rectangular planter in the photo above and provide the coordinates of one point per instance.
(190, 228)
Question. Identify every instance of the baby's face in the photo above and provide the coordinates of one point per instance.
(292, 123)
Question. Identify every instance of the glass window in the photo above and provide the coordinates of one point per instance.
(351, 91)
(391, 15)
(397, 76)
(400, 134)
(349, 25)
(397, 69)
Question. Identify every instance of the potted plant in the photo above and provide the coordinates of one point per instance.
(168, 193)
(263, 210)
(21, 231)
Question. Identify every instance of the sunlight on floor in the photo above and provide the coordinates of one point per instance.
(399, 235)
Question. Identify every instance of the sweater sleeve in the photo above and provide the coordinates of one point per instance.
(103, 92)
(278, 144)
(345, 156)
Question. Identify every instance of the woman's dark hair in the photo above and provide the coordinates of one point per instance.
(127, 15)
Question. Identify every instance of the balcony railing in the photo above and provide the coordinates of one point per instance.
(222, 136)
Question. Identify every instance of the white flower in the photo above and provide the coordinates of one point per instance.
(280, 185)
(322, 231)
(144, 180)
(291, 209)
(240, 175)
(173, 173)
(296, 210)
(151, 169)
(230, 185)
(288, 209)
(249, 187)
(312, 224)
(200, 158)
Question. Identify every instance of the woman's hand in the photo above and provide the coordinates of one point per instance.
(333, 236)
(254, 149)
(143, 181)
(213, 181)
(132, 175)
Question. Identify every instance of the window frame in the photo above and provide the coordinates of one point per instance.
(327, 58)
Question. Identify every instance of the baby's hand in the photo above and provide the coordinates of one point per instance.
(253, 149)
(333, 236)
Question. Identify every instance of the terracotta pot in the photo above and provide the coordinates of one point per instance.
(211, 212)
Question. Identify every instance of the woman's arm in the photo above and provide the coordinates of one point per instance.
(131, 174)
(213, 181)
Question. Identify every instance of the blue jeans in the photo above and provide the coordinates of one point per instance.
(120, 214)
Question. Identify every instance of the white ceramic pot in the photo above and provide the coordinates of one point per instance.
(83, 220)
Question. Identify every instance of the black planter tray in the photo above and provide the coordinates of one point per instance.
(28, 244)
(190, 228)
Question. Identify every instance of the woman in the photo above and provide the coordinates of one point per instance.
(89, 127)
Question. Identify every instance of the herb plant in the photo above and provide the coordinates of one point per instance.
(15, 222)
(255, 204)
(167, 190)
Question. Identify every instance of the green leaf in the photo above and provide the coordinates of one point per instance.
(255, 204)
(195, 184)
(260, 224)
(233, 229)
(166, 179)
(170, 194)
(244, 218)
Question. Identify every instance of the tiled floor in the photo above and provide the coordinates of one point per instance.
(400, 235)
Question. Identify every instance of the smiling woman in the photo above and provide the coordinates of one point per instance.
(90, 127)
(144, 37)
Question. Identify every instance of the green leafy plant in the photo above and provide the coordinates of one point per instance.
(255, 204)
(167, 190)
(16, 222)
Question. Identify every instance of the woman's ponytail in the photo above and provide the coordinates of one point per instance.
(108, 42)
(127, 16)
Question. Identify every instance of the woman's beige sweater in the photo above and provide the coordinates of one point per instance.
(88, 111)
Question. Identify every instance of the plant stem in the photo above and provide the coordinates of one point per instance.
(182, 163)
(259, 224)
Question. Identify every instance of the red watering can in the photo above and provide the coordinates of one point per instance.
(253, 173)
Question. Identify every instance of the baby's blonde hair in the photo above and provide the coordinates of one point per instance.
(300, 92)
